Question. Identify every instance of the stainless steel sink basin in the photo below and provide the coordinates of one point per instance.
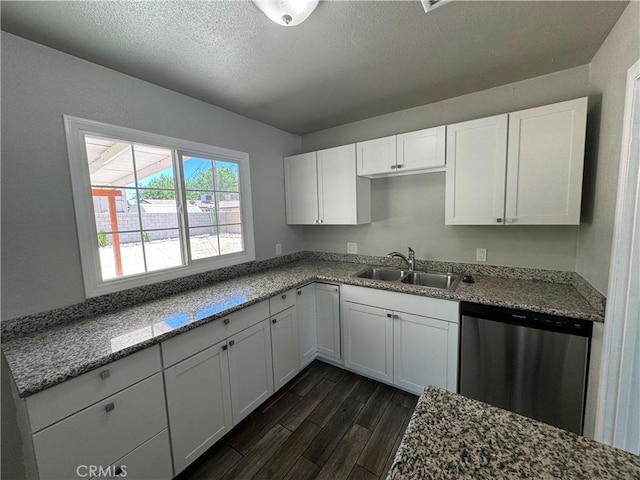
(381, 273)
(432, 279)
(446, 281)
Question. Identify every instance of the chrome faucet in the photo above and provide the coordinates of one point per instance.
(411, 259)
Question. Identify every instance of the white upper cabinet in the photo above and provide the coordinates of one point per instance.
(522, 168)
(413, 152)
(476, 168)
(544, 164)
(322, 188)
(377, 156)
(301, 189)
(421, 151)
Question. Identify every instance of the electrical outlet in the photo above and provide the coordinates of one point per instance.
(352, 247)
(481, 254)
(278, 249)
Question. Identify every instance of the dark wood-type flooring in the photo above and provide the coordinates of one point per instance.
(326, 423)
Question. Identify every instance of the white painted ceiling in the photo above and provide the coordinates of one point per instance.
(349, 61)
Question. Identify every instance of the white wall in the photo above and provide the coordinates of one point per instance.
(607, 84)
(410, 210)
(40, 257)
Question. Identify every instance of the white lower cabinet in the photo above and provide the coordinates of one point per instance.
(284, 346)
(328, 320)
(368, 342)
(199, 403)
(307, 335)
(250, 369)
(150, 461)
(405, 340)
(101, 434)
(425, 352)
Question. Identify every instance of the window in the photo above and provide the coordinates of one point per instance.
(151, 208)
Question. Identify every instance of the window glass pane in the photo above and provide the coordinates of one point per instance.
(203, 242)
(201, 208)
(162, 248)
(154, 167)
(158, 209)
(198, 173)
(120, 255)
(228, 208)
(110, 161)
(231, 240)
(227, 177)
(114, 212)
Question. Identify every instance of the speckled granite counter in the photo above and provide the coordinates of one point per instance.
(41, 359)
(452, 437)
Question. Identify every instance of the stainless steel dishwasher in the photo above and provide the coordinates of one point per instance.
(529, 363)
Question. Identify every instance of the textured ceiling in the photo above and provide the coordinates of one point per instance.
(349, 61)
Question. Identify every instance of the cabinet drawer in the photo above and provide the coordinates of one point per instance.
(189, 343)
(102, 433)
(56, 403)
(281, 302)
(150, 461)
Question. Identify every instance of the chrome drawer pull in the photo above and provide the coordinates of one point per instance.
(284, 296)
(226, 321)
(274, 321)
(109, 406)
(105, 374)
(231, 342)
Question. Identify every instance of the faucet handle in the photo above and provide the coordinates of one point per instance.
(411, 251)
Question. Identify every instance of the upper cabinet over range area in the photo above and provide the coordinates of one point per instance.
(522, 168)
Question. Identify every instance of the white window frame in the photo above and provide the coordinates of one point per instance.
(94, 285)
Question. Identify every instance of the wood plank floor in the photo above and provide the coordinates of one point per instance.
(326, 423)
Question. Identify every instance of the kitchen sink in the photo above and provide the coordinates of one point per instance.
(445, 281)
(379, 273)
(432, 279)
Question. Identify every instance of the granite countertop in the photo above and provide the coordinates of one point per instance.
(453, 437)
(41, 359)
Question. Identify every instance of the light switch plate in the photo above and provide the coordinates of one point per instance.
(481, 254)
(352, 247)
(278, 249)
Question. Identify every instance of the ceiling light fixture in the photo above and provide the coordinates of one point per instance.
(287, 12)
(431, 4)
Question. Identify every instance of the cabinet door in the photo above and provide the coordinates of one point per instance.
(337, 194)
(250, 369)
(425, 353)
(368, 343)
(199, 403)
(307, 336)
(102, 433)
(284, 346)
(421, 150)
(376, 157)
(301, 189)
(476, 170)
(328, 320)
(544, 164)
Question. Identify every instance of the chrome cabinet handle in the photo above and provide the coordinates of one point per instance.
(224, 347)
(109, 406)
(274, 320)
(388, 315)
(231, 343)
(400, 166)
(105, 374)
(226, 321)
(284, 296)
(499, 220)
(299, 292)
(321, 221)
